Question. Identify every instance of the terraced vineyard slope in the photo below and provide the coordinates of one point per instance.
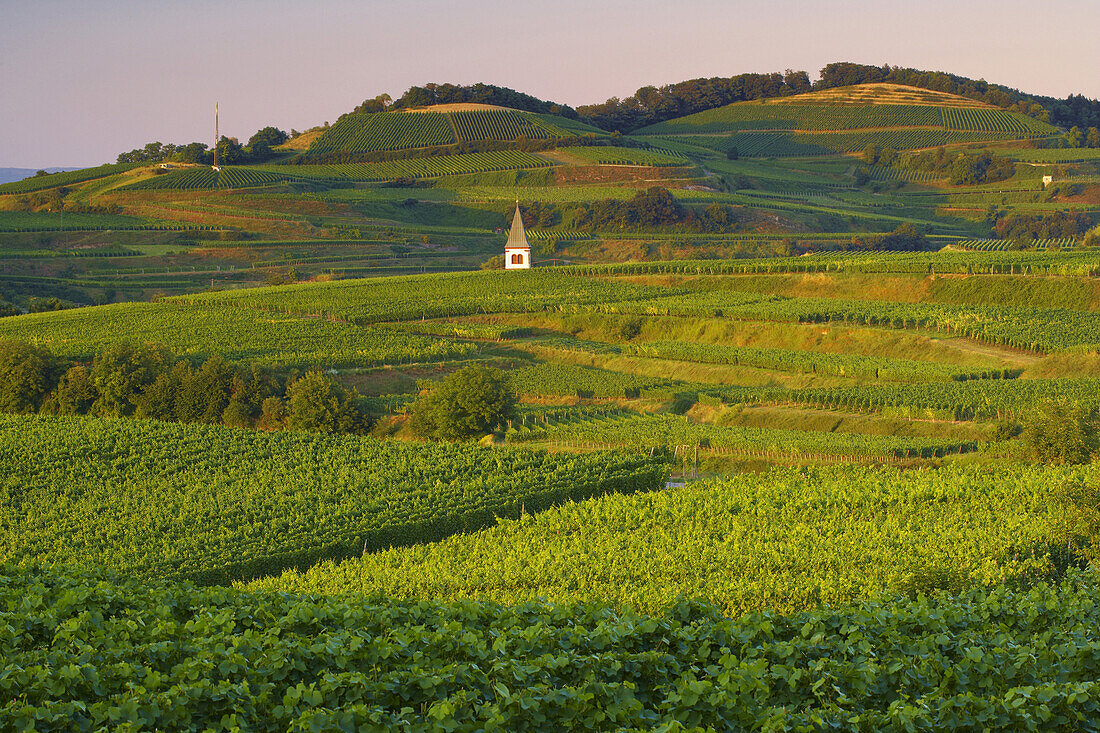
(847, 120)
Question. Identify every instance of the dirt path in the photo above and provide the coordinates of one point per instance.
(982, 348)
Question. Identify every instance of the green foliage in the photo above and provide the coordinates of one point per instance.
(1065, 432)
(27, 374)
(315, 404)
(122, 372)
(470, 403)
(218, 504)
(1055, 225)
(981, 168)
(1077, 509)
(96, 652)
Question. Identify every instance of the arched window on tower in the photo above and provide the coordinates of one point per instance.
(517, 259)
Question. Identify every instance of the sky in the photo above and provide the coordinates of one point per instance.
(84, 80)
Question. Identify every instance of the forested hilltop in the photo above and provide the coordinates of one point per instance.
(652, 104)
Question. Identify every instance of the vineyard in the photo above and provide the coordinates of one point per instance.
(777, 144)
(361, 133)
(731, 460)
(255, 176)
(742, 116)
(417, 167)
(381, 131)
(981, 119)
(235, 333)
(1036, 329)
(843, 121)
(66, 178)
(1065, 264)
(25, 221)
(793, 117)
(376, 300)
(838, 365)
(205, 178)
(786, 541)
(625, 156)
(255, 503)
(647, 431)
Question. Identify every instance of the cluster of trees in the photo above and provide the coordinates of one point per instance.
(473, 402)
(31, 304)
(1065, 432)
(842, 74)
(479, 93)
(1078, 138)
(654, 208)
(230, 151)
(1073, 111)
(876, 154)
(650, 104)
(906, 238)
(963, 169)
(1045, 225)
(148, 381)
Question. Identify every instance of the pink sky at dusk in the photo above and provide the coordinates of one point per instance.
(84, 81)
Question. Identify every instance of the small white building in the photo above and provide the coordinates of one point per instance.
(1047, 180)
(517, 252)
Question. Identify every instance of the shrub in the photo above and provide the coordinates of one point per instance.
(27, 374)
(315, 404)
(1064, 432)
(472, 402)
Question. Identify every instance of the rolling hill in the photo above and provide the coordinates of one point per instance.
(443, 124)
(846, 120)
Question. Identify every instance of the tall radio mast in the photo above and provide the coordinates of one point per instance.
(215, 134)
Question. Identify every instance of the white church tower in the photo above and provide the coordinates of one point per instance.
(517, 253)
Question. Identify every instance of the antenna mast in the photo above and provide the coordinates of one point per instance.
(215, 134)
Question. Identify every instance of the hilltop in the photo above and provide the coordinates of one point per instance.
(847, 119)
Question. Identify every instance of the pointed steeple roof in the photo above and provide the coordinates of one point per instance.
(517, 238)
